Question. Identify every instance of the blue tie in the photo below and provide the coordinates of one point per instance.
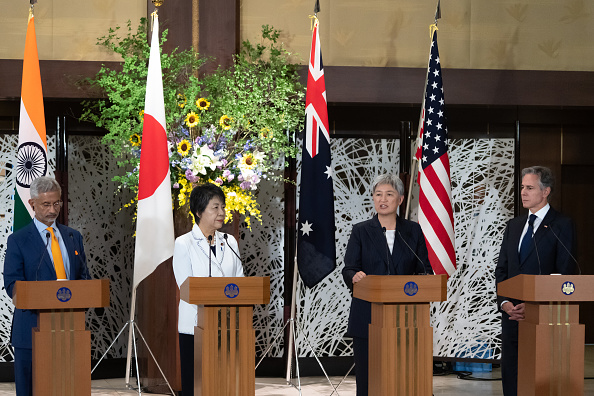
(527, 240)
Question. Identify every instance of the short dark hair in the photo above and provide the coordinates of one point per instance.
(545, 176)
(201, 196)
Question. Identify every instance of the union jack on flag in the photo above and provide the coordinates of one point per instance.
(316, 251)
(435, 199)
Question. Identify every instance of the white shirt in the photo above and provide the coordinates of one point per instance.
(390, 236)
(540, 215)
(190, 258)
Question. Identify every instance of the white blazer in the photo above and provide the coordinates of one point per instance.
(190, 258)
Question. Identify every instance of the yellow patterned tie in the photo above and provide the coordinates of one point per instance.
(57, 255)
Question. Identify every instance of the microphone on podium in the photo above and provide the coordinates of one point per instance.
(226, 237)
(210, 256)
(565, 247)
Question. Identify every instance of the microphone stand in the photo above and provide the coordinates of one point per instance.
(210, 256)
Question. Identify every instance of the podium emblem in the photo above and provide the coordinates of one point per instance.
(64, 294)
(411, 288)
(231, 290)
(568, 288)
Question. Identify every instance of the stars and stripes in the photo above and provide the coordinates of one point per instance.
(435, 199)
(316, 252)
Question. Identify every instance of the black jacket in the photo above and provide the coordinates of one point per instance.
(367, 251)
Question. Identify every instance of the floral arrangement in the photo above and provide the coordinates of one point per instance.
(232, 127)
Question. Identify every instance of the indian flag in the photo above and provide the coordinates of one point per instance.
(31, 161)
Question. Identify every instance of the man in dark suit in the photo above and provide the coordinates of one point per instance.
(43, 250)
(540, 242)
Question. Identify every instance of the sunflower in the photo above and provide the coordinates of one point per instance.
(225, 122)
(266, 133)
(202, 104)
(181, 100)
(135, 140)
(183, 147)
(192, 119)
(248, 161)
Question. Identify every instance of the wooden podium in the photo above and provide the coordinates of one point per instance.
(400, 333)
(224, 340)
(551, 339)
(61, 345)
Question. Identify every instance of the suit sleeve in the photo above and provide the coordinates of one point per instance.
(83, 270)
(564, 263)
(421, 251)
(237, 265)
(182, 265)
(352, 258)
(501, 270)
(14, 265)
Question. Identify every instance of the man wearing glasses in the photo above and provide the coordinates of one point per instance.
(43, 250)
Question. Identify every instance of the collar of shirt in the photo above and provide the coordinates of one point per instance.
(540, 215)
(42, 228)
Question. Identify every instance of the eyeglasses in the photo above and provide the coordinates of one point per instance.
(56, 205)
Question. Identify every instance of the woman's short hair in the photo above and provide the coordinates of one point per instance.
(545, 176)
(44, 184)
(201, 196)
(390, 179)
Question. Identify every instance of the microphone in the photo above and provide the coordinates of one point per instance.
(387, 252)
(47, 237)
(413, 252)
(226, 237)
(209, 256)
(565, 247)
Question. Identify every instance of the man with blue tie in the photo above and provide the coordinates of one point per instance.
(42, 250)
(540, 242)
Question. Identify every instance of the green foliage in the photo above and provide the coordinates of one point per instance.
(261, 95)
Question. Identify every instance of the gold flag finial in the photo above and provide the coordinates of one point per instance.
(158, 3)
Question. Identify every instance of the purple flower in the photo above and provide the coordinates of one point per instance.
(175, 185)
(255, 178)
(226, 173)
(240, 177)
(190, 176)
(230, 177)
(245, 185)
(224, 162)
(219, 181)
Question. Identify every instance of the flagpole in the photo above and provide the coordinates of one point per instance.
(414, 166)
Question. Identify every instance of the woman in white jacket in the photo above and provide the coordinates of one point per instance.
(191, 257)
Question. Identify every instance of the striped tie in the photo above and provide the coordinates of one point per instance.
(57, 256)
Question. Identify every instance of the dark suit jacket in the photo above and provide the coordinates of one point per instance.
(554, 258)
(25, 260)
(367, 251)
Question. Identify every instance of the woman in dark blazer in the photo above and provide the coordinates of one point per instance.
(383, 245)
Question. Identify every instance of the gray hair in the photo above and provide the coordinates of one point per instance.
(42, 185)
(391, 180)
(545, 176)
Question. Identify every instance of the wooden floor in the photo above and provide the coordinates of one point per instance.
(448, 385)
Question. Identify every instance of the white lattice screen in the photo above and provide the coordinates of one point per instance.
(483, 194)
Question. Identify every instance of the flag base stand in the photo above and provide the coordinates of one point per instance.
(132, 340)
(292, 322)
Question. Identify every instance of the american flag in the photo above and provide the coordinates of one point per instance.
(316, 251)
(435, 200)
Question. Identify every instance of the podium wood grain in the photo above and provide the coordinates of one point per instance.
(61, 345)
(224, 339)
(400, 333)
(550, 339)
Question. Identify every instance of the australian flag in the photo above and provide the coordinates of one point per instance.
(316, 251)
